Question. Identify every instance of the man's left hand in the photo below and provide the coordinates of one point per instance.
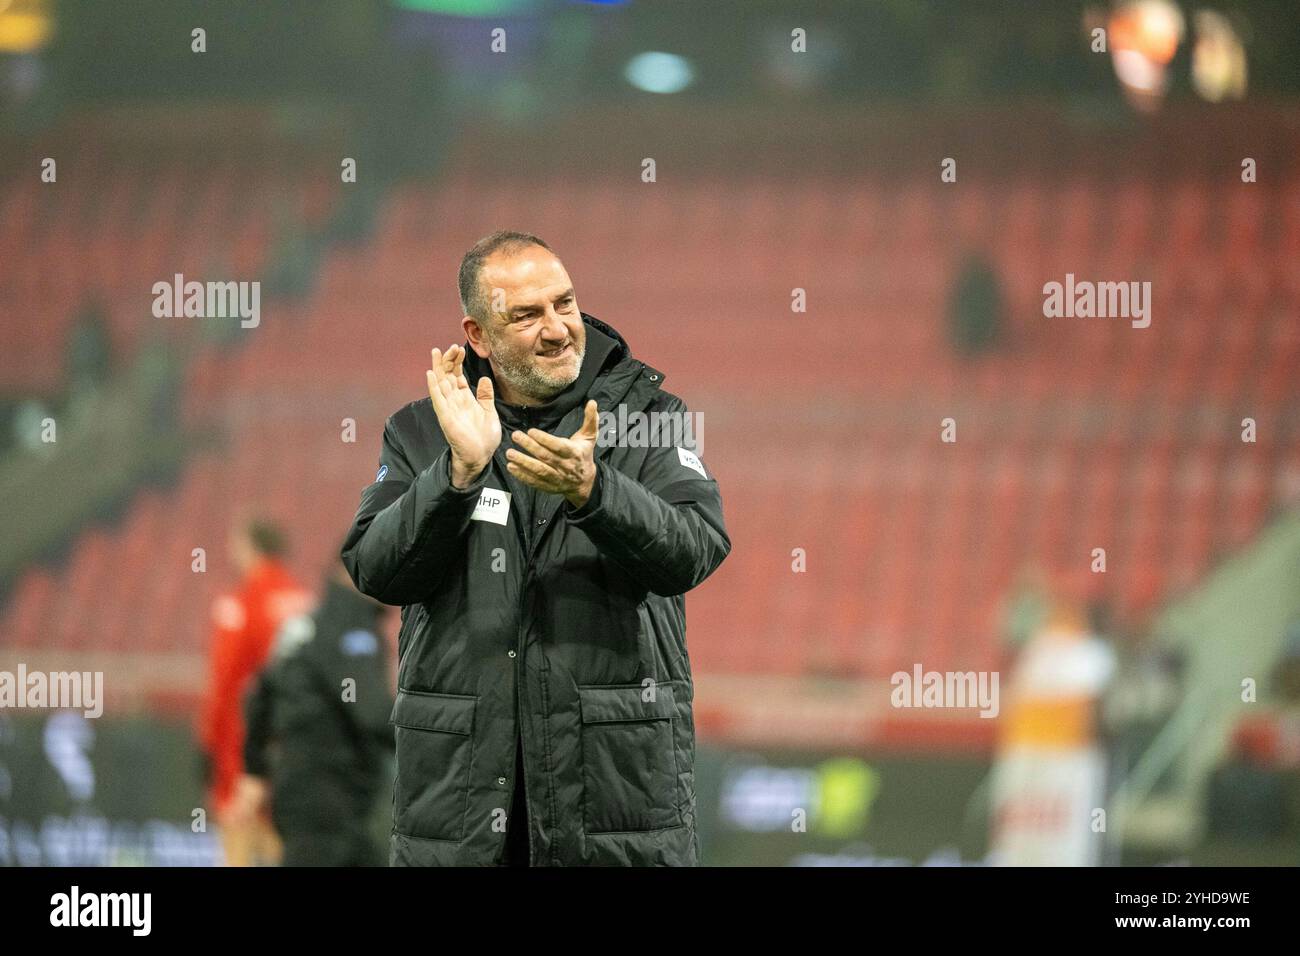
(561, 466)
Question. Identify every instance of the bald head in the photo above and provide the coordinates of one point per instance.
(475, 297)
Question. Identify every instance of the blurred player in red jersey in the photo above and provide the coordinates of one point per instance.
(245, 622)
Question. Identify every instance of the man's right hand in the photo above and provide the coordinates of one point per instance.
(251, 799)
(468, 421)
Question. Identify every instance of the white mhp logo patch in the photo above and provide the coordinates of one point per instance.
(493, 505)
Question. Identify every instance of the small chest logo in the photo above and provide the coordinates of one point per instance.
(493, 505)
(383, 470)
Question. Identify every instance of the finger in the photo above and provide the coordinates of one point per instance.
(532, 467)
(441, 366)
(537, 450)
(435, 392)
(443, 397)
(449, 394)
(531, 480)
(451, 367)
(486, 394)
(455, 366)
(561, 447)
(589, 421)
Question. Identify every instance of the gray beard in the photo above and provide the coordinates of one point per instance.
(527, 379)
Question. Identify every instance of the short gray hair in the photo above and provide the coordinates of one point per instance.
(473, 298)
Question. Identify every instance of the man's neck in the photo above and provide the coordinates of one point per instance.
(512, 397)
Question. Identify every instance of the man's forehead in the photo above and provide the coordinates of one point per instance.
(536, 295)
(527, 277)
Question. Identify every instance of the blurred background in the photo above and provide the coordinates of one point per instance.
(838, 255)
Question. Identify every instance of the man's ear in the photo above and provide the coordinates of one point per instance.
(477, 339)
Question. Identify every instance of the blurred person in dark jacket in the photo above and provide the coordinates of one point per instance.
(244, 624)
(90, 350)
(318, 733)
(976, 307)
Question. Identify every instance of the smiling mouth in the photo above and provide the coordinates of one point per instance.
(563, 350)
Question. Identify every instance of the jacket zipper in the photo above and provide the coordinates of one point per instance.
(519, 691)
(519, 705)
(526, 533)
(519, 675)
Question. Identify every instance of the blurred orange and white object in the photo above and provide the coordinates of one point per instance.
(1143, 38)
(1050, 773)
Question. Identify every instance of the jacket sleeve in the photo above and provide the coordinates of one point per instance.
(408, 527)
(257, 720)
(665, 529)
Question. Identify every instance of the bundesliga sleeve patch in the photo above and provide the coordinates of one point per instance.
(690, 460)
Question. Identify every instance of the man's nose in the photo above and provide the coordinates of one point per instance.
(554, 329)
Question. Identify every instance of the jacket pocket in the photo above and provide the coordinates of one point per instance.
(435, 746)
(628, 758)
